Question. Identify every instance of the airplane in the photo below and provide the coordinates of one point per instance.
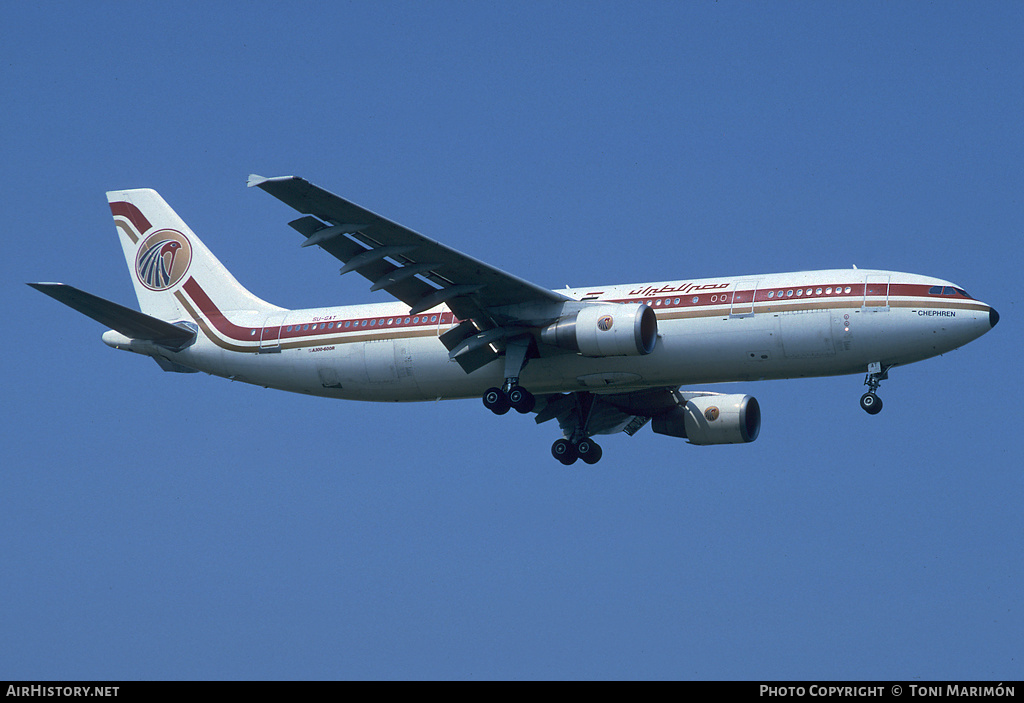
(599, 359)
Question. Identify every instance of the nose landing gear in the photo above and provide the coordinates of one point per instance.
(870, 401)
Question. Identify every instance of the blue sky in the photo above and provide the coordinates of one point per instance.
(159, 526)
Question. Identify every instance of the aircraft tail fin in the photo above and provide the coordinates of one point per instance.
(173, 272)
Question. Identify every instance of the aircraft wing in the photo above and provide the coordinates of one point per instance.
(420, 272)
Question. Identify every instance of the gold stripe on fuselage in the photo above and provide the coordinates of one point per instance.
(662, 313)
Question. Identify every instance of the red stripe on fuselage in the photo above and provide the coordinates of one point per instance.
(222, 323)
(257, 334)
(664, 303)
(788, 293)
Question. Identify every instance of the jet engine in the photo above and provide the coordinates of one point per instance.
(712, 419)
(605, 329)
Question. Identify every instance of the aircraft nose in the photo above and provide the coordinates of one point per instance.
(993, 317)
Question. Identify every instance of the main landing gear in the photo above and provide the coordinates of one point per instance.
(870, 401)
(499, 401)
(586, 449)
(510, 395)
(578, 445)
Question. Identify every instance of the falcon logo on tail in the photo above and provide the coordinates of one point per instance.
(163, 259)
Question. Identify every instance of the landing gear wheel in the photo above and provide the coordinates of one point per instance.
(496, 401)
(565, 451)
(574, 422)
(871, 403)
(522, 400)
(589, 451)
(877, 373)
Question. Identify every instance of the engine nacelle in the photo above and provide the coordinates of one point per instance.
(712, 419)
(606, 329)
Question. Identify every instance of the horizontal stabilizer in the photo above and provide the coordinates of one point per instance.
(130, 323)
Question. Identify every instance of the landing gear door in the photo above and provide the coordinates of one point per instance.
(876, 292)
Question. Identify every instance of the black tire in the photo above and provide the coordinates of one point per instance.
(589, 451)
(496, 401)
(522, 400)
(565, 451)
(871, 403)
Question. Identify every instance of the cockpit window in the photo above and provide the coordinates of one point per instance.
(947, 290)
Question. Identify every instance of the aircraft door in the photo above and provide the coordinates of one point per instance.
(270, 335)
(876, 292)
(743, 295)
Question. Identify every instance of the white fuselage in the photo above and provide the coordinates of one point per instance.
(813, 323)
